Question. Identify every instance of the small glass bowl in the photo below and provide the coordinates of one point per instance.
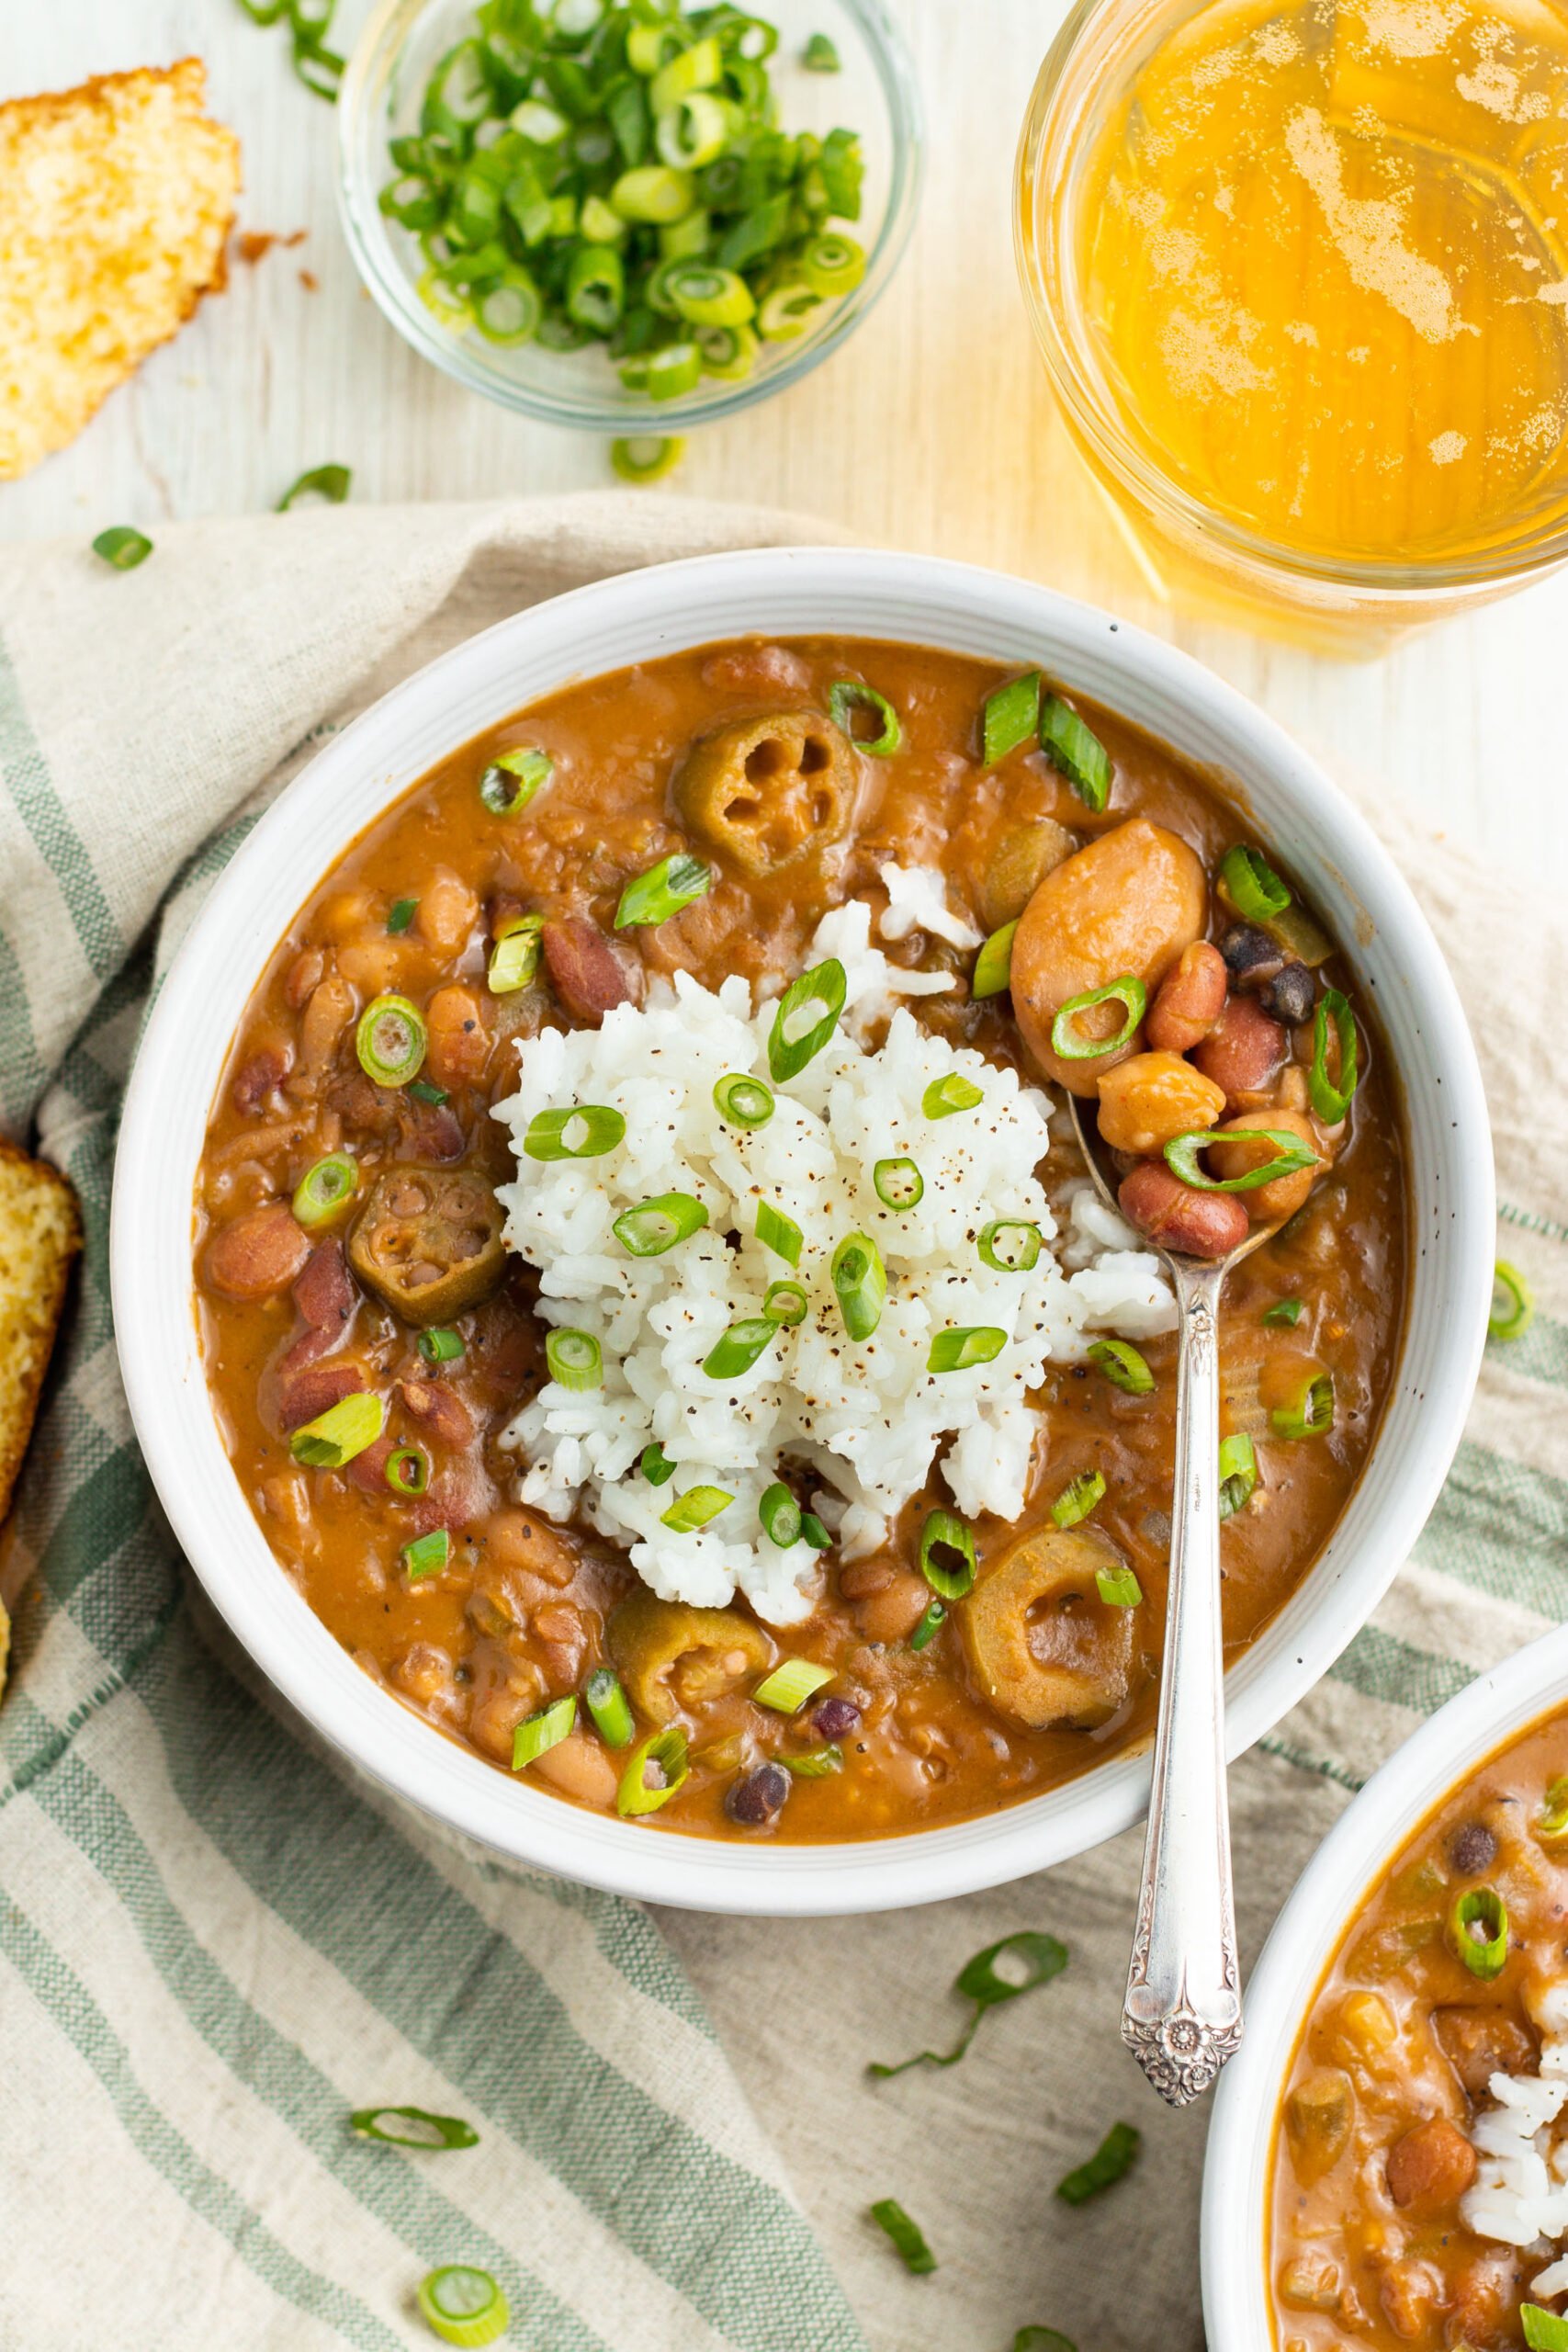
(874, 94)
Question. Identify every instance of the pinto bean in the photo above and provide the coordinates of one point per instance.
(440, 1412)
(1286, 1195)
(1145, 1101)
(448, 912)
(578, 1768)
(1204, 1224)
(1432, 2165)
(327, 1015)
(255, 1078)
(430, 1131)
(1478, 2041)
(587, 971)
(1189, 1000)
(1243, 1050)
(459, 1044)
(756, 1800)
(521, 1538)
(371, 966)
(304, 974)
(757, 670)
(302, 1394)
(257, 1254)
(892, 1613)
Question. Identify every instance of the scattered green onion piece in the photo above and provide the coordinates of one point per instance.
(408, 1471)
(695, 1507)
(736, 1350)
(706, 296)
(325, 1190)
(931, 1622)
(665, 1755)
(423, 1092)
(427, 1556)
(1485, 1954)
(812, 1532)
(606, 1701)
(1284, 1315)
(1111, 2162)
(806, 1017)
(898, 1184)
(945, 1095)
(390, 1040)
(440, 1346)
(653, 898)
(979, 1980)
(651, 193)
(1120, 1362)
(958, 1349)
(463, 2305)
(657, 1225)
(586, 1132)
(1181, 1157)
(122, 547)
(1312, 1415)
(1513, 1303)
(860, 1283)
(815, 1764)
(819, 56)
(1069, 1042)
(832, 265)
(1011, 716)
(1009, 1245)
(729, 354)
(432, 2131)
(514, 958)
(513, 778)
(849, 694)
(786, 1303)
(647, 456)
(791, 1683)
(778, 1233)
(787, 311)
(993, 965)
(672, 371)
(1238, 1473)
(510, 311)
(1544, 2331)
(1076, 751)
(1079, 1498)
(330, 482)
(345, 1429)
(1331, 1097)
(576, 1359)
(1250, 885)
(696, 68)
(1042, 2339)
(947, 1555)
(656, 1465)
(780, 1515)
(744, 1102)
(401, 914)
(596, 288)
(908, 2241)
(1551, 1824)
(1118, 1587)
(537, 1734)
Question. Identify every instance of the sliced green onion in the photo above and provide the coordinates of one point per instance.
(957, 1349)
(611, 1709)
(1076, 751)
(513, 778)
(696, 68)
(932, 1619)
(849, 694)
(1284, 1315)
(647, 456)
(1068, 1041)
(1544, 2331)
(330, 482)
(440, 1346)
(1118, 1587)
(1478, 1931)
(390, 1040)
(791, 1683)
(1042, 2339)
(993, 965)
(1182, 1157)
(408, 1471)
(653, 193)
(778, 1233)
(430, 2130)
(1331, 1097)
(694, 1508)
(401, 914)
(509, 312)
(1111, 2162)
(1078, 1499)
(1238, 1473)
(586, 1132)
(122, 547)
(343, 1430)
(947, 1555)
(1513, 1303)
(1118, 1362)
(1010, 1245)
(736, 1350)
(596, 288)
(656, 1465)
(325, 1190)
(806, 1017)
(729, 354)
(672, 371)
(463, 2305)
(705, 296)
(945, 1095)
(819, 56)
(576, 1359)
(908, 2239)
(744, 1102)
(1551, 1824)
(657, 1225)
(423, 1092)
(1312, 1415)
(427, 1556)
(657, 1769)
(1250, 885)
(860, 1283)
(514, 958)
(812, 1532)
(780, 1515)
(1011, 718)
(815, 1764)
(675, 882)
(1033, 1959)
(537, 1734)
(898, 1184)
(786, 1303)
(787, 311)
(833, 265)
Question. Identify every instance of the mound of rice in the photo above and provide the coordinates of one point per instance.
(1520, 2192)
(866, 1417)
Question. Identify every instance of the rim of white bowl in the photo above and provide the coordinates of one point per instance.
(639, 615)
(1433, 1762)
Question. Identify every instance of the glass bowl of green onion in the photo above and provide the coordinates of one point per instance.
(628, 216)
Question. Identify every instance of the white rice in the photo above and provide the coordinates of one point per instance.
(1519, 2195)
(866, 1418)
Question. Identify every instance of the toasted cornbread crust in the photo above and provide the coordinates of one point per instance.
(40, 1232)
(116, 203)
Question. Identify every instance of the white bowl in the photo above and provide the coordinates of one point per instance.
(637, 617)
(1440, 1757)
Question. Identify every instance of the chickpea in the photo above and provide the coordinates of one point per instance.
(1145, 1101)
(1270, 1202)
(459, 1042)
(1189, 1000)
(448, 912)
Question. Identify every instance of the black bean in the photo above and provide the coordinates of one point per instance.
(1473, 1849)
(834, 1717)
(758, 1796)
(1250, 955)
(1290, 995)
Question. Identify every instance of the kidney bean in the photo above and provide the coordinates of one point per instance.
(257, 1254)
(1290, 995)
(1243, 1050)
(1145, 1101)
(255, 1080)
(587, 971)
(1431, 2165)
(324, 1292)
(430, 1131)
(368, 1470)
(1250, 955)
(440, 1412)
(757, 1798)
(1189, 1000)
(458, 1041)
(1204, 1224)
(303, 1394)
(836, 1717)
(456, 1495)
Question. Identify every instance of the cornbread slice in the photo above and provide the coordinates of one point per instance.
(40, 1232)
(116, 201)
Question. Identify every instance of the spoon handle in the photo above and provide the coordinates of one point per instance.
(1181, 2018)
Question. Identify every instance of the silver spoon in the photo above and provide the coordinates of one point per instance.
(1181, 2018)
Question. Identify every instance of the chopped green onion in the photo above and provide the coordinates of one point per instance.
(931, 1622)
(849, 694)
(463, 2305)
(647, 456)
(787, 312)
(1042, 2339)
(1478, 1931)
(957, 1349)
(537, 1734)
(1036, 1958)
(695, 1507)
(657, 1769)
(1331, 1096)
(657, 1225)
(575, 1358)
(815, 1764)
(652, 194)
(1250, 885)
(705, 296)
(1118, 1587)
(945, 1095)
(1076, 751)
(786, 1303)
(1111, 2162)
(908, 2239)
(514, 958)
(390, 1040)
(330, 482)
(1182, 1157)
(898, 1184)
(1068, 1039)
(1311, 1414)
(744, 1102)
(513, 778)
(423, 1092)
(860, 1283)
(440, 1346)
(1284, 1315)
(729, 354)
(833, 265)
(1238, 1473)
(1078, 1499)
(122, 547)
(813, 1532)
(343, 1430)
(510, 311)
(780, 1515)
(1010, 1245)
(427, 1556)
(819, 56)
(993, 965)
(1513, 1304)
(806, 1017)
(1011, 718)
(1118, 1362)
(586, 1132)
(325, 1190)
(656, 1465)
(675, 882)
(1552, 1823)
(671, 373)
(791, 1683)
(408, 1471)
(401, 914)
(1544, 2331)
(611, 1709)
(778, 1233)
(736, 1350)
(947, 1555)
(431, 2132)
